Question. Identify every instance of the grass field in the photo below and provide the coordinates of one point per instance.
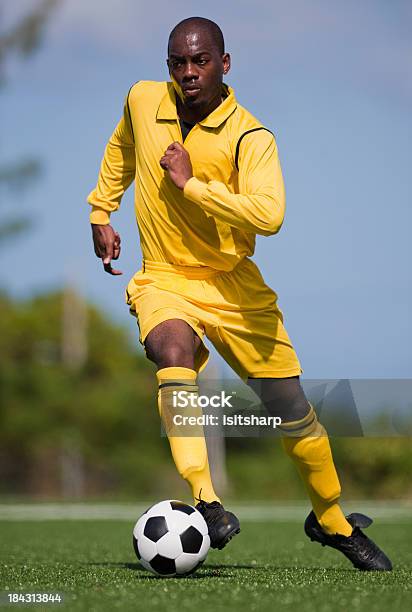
(269, 566)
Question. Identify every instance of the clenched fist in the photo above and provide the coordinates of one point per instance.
(176, 161)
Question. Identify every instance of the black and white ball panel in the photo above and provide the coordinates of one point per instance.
(170, 545)
(191, 540)
(136, 548)
(197, 520)
(155, 528)
(184, 563)
(147, 548)
(163, 565)
(162, 508)
(146, 565)
(178, 505)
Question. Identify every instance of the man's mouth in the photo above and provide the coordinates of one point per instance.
(191, 92)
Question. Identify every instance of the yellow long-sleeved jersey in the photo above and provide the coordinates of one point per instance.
(235, 193)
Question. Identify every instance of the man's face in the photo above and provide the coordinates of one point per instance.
(197, 67)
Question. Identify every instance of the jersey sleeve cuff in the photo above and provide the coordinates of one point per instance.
(194, 190)
(98, 216)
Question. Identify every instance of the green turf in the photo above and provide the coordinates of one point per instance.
(269, 566)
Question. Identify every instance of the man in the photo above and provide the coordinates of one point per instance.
(208, 179)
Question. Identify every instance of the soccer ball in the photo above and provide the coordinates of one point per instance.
(171, 539)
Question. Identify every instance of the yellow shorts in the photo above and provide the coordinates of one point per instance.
(236, 310)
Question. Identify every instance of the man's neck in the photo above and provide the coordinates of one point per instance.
(193, 116)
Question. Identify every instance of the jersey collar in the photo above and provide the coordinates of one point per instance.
(167, 108)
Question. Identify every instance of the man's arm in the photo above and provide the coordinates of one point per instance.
(117, 172)
(259, 207)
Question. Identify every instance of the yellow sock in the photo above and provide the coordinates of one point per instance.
(307, 443)
(189, 451)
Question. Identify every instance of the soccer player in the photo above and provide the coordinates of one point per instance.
(207, 180)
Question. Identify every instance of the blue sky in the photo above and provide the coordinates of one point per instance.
(331, 79)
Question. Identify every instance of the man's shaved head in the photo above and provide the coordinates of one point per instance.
(197, 63)
(199, 24)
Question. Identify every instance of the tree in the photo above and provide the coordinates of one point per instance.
(22, 39)
(73, 432)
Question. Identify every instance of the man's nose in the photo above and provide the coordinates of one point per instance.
(190, 72)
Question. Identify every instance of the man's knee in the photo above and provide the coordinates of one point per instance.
(176, 356)
(283, 397)
(171, 344)
(170, 355)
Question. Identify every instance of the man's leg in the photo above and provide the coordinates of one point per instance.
(261, 354)
(171, 345)
(307, 443)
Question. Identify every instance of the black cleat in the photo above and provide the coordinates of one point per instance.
(222, 525)
(357, 547)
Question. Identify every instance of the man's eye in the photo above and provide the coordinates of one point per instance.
(176, 64)
(202, 62)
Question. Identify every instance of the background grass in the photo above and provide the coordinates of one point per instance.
(269, 566)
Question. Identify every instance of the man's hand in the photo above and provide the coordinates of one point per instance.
(176, 161)
(106, 246)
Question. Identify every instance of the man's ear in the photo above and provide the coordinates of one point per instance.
(226, 63)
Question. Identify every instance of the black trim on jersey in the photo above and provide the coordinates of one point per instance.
(240, 140)
(128, 108)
